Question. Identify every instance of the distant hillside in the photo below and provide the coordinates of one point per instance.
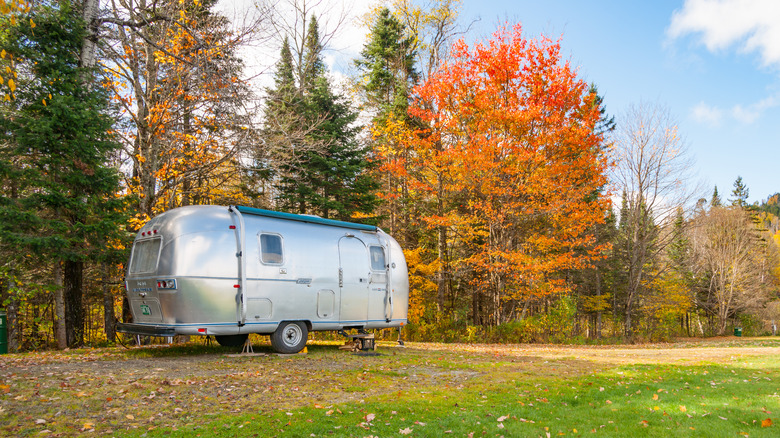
(771, 210)
(771, 205)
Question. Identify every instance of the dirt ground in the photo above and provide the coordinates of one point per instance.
(111, 389)
(683, 352)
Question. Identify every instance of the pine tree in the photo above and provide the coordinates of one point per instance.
(388, 68)
(740, 194)
(387, 75)
(715, 201)
(59, 191)
(319, 167)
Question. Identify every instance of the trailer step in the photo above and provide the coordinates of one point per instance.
(145, 329)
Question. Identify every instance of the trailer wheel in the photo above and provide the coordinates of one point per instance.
(290, 337)
(232, 340)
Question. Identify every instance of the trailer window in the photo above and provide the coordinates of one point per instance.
(271, 249)
(145, 255)
(377, 258)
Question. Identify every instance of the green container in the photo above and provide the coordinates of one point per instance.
(3, 333)
(737, 331)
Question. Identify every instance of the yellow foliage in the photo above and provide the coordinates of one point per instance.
(138, 221)
(422, 289)
(596, 303)
(670, 297)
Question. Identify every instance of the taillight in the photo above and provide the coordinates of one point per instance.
(166, 284)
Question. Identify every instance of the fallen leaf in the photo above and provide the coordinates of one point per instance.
(40, 421)
(766, 423)
(683, 409)
(369, 418)
(502, 418)
(406, 431)
(130, 417)
(655, 396)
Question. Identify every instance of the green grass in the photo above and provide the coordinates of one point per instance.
(194, 390)
(651, 401)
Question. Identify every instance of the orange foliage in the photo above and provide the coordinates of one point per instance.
(511, 150)
(183, 140)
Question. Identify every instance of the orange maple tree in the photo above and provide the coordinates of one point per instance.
(511, 165)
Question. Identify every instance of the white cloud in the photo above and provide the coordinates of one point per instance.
(707, 114)
(752, 112)
(752, 25)
(745, 114)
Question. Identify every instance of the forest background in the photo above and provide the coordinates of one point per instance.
(527, 212)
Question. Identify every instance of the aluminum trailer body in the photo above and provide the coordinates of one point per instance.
(231, 271)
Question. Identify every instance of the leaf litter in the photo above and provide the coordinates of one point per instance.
(107, 390)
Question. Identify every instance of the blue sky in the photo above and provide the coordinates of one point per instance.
(717, 70)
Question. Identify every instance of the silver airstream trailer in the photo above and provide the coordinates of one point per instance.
(230, 271)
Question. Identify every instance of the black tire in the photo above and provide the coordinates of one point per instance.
(232, 340)
(290, 337)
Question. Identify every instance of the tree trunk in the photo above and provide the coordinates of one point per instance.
(60, 334)
(109, 320)
(74, 310)
(87, 58)
(441, 280)
(12, 315)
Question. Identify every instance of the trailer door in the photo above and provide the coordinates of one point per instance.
(354, 274)
(380, 306)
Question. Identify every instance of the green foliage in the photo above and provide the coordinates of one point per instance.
(59, 187)
(751, 325)
(771, 205)
(58, 196)
(740, 194)
(715, 201)
(387, 66)
(317, 166)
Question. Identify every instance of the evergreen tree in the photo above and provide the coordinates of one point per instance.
(313, 66)
(58, 199)
(680, 246)
(715, 201)
(740, 194)
(606, 122)
(387, 67)
(319, 166)
(387, 75)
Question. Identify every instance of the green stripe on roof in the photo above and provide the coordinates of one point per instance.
(304, 218)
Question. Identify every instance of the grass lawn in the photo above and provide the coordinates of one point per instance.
(727, 387)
